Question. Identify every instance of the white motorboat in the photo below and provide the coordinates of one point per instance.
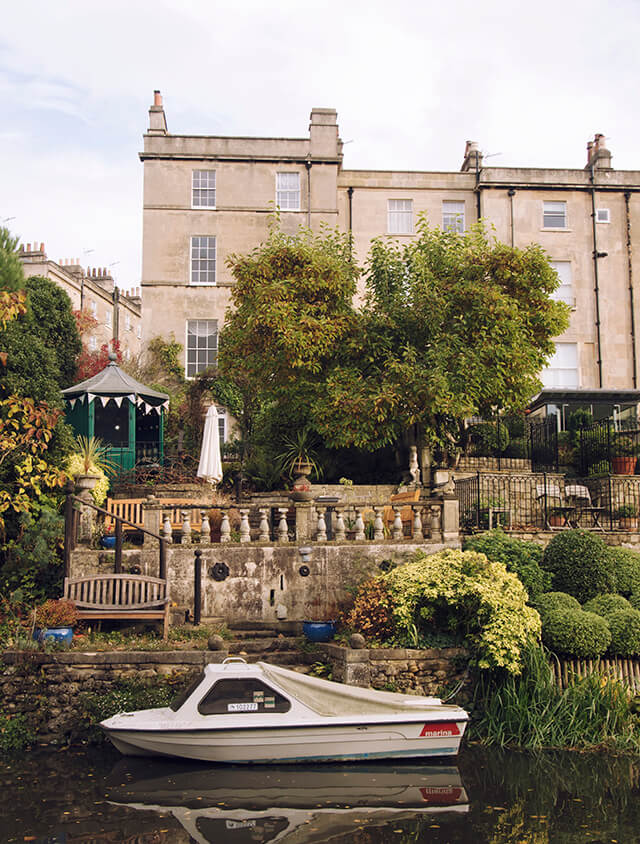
(239, 713)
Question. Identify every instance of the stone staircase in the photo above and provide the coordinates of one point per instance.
(266, 644)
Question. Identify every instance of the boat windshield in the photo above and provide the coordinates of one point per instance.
(177, 702)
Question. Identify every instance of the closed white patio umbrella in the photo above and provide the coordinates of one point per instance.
(210, 466)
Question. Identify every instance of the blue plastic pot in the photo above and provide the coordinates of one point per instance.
(62, 635)
(108, 541)
(319, 631)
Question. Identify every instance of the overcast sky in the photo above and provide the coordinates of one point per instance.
(411, 81)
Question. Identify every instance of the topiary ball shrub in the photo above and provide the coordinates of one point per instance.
(625, 632)
(580, 564)
(634, 600)
(626, 565)
(520, 557)
(552, 601)
(576, 633)
(605, 604)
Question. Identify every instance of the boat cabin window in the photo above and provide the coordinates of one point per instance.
(231, 696)
(177, 702)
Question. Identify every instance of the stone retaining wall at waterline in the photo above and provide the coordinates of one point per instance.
(48, 687)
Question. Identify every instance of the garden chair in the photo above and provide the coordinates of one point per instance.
(555, 511)
(578, 496)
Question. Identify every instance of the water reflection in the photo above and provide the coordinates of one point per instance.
(491, 797)
(289, 804)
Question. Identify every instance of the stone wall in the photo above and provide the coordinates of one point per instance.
(264, 581)
(47, 687)
(431, 671)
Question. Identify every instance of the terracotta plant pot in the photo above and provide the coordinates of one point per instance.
(301, 489)
(629, 523)
(624, 465)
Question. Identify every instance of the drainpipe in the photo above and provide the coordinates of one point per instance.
(350, 222)
(596, 256)
(307, 164)
(478, 198)
(116, 315)
(511, 193)
(634, 361)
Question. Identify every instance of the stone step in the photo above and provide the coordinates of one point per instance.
(287, 658)
(261, 645)
(253, 634)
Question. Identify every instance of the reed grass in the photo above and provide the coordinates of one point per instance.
(531, 711)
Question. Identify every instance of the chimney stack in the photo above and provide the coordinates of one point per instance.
(157, 119)
(598, 156)
(472, 158)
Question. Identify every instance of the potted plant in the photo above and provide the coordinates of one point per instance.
(90, 465)
(108, 538)
(54, 620)
(627, 515)
(557, 516)
(298, 461)
(626, 457)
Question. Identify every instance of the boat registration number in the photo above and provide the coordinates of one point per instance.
(242, 707)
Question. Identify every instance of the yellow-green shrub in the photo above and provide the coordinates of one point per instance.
(75, 466)
(466, 593)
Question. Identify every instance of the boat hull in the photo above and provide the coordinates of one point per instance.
(411, 739)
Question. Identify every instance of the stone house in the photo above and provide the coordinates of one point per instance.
(206, 197)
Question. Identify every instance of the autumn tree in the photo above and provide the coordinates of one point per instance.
(454, 325)
(292, 309)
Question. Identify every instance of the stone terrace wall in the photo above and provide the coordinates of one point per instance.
(431, 671)
(47, 687)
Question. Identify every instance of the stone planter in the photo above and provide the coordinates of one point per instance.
(301, 490)
(85, 484)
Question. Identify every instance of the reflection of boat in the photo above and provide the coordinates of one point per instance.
(236, 712)
(285, 804)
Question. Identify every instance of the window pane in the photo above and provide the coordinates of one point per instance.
(202, 345)
(203, 260)
(232, 697)
(453, 216)
(203, 193)
(288, 191)
(554, 215)
(400, 216)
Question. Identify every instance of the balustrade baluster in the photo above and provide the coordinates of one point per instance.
(245, 530)
(417, 522)
(397, 524)
(359, 524)
(185, 538)
(340, 532)
(225, 528)
(205, 528)
(264, 525)
(283, 528)
(378, 524)
(166, 528)
(321, 536)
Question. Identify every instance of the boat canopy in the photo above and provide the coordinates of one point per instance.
(331, 699)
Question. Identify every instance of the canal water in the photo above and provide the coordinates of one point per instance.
(78, 796)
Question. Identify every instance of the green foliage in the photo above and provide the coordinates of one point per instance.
(31, 559)
(11, 272)
(580, 564)
(54, 322)
(124, 696)
(76, 466)
(522, 558)
(604, 605)
(551, 601)
(634, 600)
(531, 711)
(16, 734)
(626, 565)
(576, 633)
(454, 324)
(487, 439)
(372, 611)
(625, 632)
(464, 594)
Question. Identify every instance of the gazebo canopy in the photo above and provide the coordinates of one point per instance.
(112, 382)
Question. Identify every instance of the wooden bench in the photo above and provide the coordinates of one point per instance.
(411, 496)
(131, 510)
(120, 597)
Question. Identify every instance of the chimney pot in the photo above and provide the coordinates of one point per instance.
(28, 247)
(157, 98)
(42, 247)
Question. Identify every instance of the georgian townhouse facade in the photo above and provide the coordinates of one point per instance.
(206, 197)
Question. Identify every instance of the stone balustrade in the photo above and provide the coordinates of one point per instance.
(434, 519)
